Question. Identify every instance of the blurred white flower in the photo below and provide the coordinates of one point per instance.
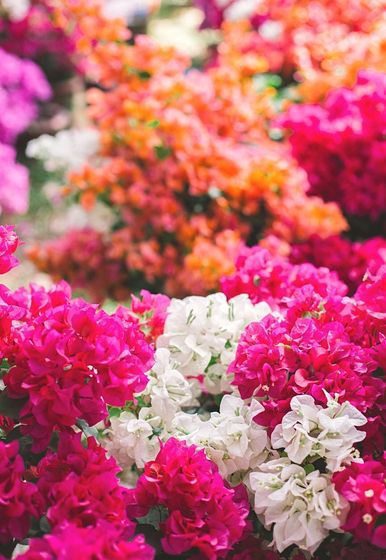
(242, 9)
(100, 218)
(65, 151)
(303, 508)
(313, 431)
(16, 9)
(129, 10)
(202, 335)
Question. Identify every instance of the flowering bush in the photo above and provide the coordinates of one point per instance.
(211, 427)
(327, 252)
(341, 145)
(241, 424)
(22, 86)
(321, 44)
(185, 161)
(27, 30)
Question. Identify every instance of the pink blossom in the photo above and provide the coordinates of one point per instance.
(19, 500)
(341, 145)
(80, 485)
(363, 485)
(202, 512)
(8, 245)
(69, 361)
(88, 543)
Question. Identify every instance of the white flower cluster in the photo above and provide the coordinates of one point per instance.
(230, 437)
(289, 494)
(302, 507)
(289, 474)
(129, 10)
(136, 440)
(67, 150)
(202, 334)
(131, 440)
(168, 390)
(313, 431)
(15, 9)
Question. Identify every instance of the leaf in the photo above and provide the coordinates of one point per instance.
(44, 525)
(162, 152)
(153, 124)
(155, 517)
(114, 411)
(86, 429)
(4, 367)
(10, 407)
(309, 468)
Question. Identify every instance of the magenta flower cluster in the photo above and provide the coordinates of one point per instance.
(66, 362)
(73, 374)
(202, 512)
(341, 145)
(329, 252)
(70, 360)
(22, 86)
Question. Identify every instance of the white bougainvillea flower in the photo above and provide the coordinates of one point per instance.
(202, 335)
(65, 151)
(168, 390)
(311, 431)
(301, 508)
(16, 9)
(130, 440)
(230, 437)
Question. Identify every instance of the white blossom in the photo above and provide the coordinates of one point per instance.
(16, 9)
(313, 431)
(242, 9)
(303, 508)
(230, 437)
(131, 440)
(67, 150)
(129, 10)
(202, 335)
(168, 390)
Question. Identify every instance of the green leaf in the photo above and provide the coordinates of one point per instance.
(143, 74)
(153, 124)
(155, 517)
(114, 411)
(10, 407)
(309, 468)
(162, 152)
(86, 429)
(44, 525)
(4, 367)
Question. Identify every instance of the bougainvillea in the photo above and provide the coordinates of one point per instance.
(341, 146)
(363, 485)
(8, 245)
(322, 44)
(201, 512)
(90, 543)
(327, 252)
(69, 360)
(19, 499)
(242, 424)
(22, 86)
(185, 161)
(253, 429)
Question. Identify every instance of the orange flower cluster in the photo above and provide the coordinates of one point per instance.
(186, 160)
(323, 42)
